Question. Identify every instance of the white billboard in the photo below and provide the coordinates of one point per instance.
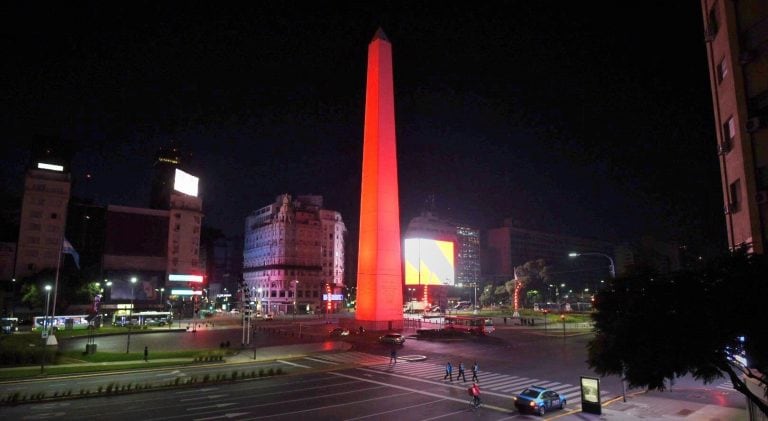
(185, 183)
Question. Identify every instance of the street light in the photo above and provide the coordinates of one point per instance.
(44, 333)
(474, 306)
(612, 267)
(130, 317)
(295, 285)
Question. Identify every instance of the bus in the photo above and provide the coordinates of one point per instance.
(473, 325)
(143, 318)
(9, 324)
(79, 321)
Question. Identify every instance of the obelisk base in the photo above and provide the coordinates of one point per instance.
(380, 325)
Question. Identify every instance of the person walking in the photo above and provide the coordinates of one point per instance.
(461, 372)
(393, 356)
(146, 353)
(448, 371)
(474, 372)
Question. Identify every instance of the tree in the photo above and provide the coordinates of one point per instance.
(534, 274)
(653, 328)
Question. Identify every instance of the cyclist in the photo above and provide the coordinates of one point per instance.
(475, 390)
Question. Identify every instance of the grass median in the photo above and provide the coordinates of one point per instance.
(22, 356)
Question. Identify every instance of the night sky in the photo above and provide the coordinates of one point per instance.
(582, 118)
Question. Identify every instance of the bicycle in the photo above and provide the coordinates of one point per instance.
(475, 403)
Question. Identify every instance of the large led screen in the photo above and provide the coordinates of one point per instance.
(185, 183)
(428, 262)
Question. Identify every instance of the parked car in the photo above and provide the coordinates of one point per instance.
(392, 338)
(154, 322)
(539, 400)
(339, 331)
(269, 316)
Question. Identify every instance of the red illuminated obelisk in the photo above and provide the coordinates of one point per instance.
(379, 264)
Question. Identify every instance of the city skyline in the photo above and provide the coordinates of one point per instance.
(564, 122)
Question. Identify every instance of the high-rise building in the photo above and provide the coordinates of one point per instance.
(736, 35)
(463, 264)
(467, 255)
(167, 160)
(43, 217)
(293, 255)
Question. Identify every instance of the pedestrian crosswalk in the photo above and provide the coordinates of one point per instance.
(489, 381)
(726, 386)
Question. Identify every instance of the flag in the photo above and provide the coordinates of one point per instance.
(68, 249)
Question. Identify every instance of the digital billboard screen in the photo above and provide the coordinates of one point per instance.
(185, 183)
(428, 262)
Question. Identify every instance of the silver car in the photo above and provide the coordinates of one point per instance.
(392, 338)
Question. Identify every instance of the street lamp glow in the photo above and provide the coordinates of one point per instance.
(612, 267)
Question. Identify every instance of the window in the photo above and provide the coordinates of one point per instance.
(722, 70)
(729, 132)
(282, 293)
(734, 203)
(713, 22)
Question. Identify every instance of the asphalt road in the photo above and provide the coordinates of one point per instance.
(323, 386)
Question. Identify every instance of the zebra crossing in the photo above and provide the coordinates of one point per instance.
(489, 381)
(726, 386)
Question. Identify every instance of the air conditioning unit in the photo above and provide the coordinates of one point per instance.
(755, 123)
(762, 197)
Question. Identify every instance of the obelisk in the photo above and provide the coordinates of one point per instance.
(379, 264)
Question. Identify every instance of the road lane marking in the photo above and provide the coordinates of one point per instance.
(282, 414)
(218, 405)
(395, 410)
(293, 364)
(227, 415)
(320, 361)
(202, 398)
(412, 390)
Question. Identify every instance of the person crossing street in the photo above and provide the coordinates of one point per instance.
(461, 372)
(448, 371)
(474, 372)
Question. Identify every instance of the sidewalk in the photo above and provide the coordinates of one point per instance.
(650, 406)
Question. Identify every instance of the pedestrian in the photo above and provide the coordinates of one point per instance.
(461, 372)
(474, 372)
(146, 353)
(505, 320)
(393, 356)
(448, 371)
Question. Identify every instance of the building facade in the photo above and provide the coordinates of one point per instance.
(293, 255)
(43, 219)
(508, 247)
(736, 35)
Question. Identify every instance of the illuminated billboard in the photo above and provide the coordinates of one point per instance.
(428, 262)
(185, 183)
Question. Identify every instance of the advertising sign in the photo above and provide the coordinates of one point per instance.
(590, 395)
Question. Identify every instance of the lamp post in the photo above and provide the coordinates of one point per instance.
(44, 333)
(612, 267)
(260, 306)
(130, 317)
(474, 306)
(295, 285)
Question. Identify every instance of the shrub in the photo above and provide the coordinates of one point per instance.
(261, 372)
(271, 372)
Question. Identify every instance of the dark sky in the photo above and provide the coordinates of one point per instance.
(581, 118)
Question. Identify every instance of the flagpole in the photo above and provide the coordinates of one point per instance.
(56, 279)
